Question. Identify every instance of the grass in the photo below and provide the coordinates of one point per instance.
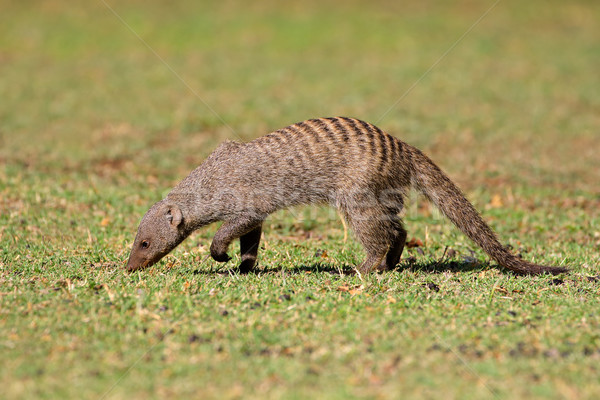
(94, 128)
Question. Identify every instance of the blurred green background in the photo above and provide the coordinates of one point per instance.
(526, 73)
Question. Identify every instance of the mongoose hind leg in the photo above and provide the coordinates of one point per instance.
(249, 249)
(381, 234)
(372, 262)
(392, 258)
(230, 230)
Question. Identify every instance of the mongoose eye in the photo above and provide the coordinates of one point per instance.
(145, 244)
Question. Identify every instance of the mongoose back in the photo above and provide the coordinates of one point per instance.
(347, 163)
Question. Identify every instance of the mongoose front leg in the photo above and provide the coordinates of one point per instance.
(249, 249)
(230, 230)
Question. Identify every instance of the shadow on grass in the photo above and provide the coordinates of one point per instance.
(436, 267)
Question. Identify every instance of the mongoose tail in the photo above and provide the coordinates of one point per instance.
(439, 189)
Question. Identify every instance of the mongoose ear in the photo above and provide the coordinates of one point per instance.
(174, 216)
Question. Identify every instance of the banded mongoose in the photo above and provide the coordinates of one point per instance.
(350, 164)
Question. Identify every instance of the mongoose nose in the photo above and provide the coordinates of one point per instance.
(132, 265)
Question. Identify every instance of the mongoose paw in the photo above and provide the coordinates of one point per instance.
(219, 257)
(364, 269)
(246, 266)
(383, 267)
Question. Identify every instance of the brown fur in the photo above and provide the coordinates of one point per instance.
(345, 162)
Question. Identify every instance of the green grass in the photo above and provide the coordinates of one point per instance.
(94, 128)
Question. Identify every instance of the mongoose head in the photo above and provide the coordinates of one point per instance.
(160, 231)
